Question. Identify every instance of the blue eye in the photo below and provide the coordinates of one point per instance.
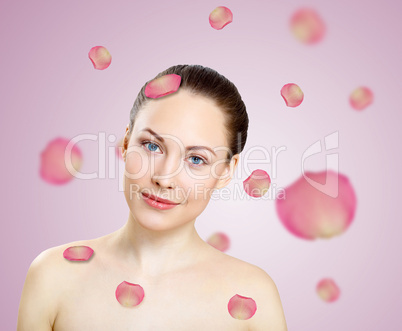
(153, 146)
(150, 144)
(196, 157)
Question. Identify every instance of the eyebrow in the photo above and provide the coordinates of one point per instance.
(188, 148)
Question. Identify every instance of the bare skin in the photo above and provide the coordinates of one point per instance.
(193, 298)
(187, 283)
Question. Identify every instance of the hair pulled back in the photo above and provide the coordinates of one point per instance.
(206, 82)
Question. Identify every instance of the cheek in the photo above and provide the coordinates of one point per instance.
(198, 190)
(218, 169)
(137, 164)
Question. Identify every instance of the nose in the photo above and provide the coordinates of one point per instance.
(166, 183)
(165, 173)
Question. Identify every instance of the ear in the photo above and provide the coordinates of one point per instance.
(227, 176)
(125, 144)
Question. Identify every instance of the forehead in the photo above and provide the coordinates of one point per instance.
(193, 119)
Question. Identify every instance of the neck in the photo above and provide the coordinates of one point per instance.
(155, 253)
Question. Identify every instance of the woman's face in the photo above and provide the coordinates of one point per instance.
(170, 169)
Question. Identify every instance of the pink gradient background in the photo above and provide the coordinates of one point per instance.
(50, 89)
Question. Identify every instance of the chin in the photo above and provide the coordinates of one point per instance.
(152, 222)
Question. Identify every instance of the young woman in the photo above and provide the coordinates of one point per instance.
(179, 147)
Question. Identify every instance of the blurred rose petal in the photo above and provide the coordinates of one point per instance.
(78, 253)
(119, 148)
(309, 213)
(100, 57)
(361, 97)
(257, 184)
(220, 17)
(292, 94)
(241, 307)
(129, 294)
(53, 166)
(220, 241)
(307, 26)
(162, 86)
(328, 290)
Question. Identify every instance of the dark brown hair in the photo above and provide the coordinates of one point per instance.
(207, 82)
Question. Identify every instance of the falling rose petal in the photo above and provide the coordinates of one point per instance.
(100, 57)
(308, 212)
(241, 307)
(162, 86)
(328, 290)
(257, 184)
(307, 26)
(129, 294)
(78, 253)
(361, 97)
(292, 94)
(119, 148)
(220, 241)
(54, 167)
(220, 17)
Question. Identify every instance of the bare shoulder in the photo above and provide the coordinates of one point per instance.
(40, 295)
(254, 282)
(52, 258)
(52, 262)
(269, 314)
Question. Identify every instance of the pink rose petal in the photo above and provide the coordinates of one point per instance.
(257, 184)
(220, 17)
(220, 241)
(119, 148)
(129, 294)
(100, 57)
(361, 97)
(241, 307)
(328, 290)
(53, 165)
(309, 213)
(162, 86)
(292, 94)
(307, 26)
(78, 253)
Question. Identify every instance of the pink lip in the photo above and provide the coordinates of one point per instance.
(154, 197)
(151, 201)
